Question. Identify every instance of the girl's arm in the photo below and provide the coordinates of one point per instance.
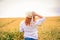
(35, 14)
(40, 20)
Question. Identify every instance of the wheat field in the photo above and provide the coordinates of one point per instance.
(48, 30)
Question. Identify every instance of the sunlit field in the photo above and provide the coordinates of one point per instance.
(48, 30)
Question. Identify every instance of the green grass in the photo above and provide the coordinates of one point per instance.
(11, 36)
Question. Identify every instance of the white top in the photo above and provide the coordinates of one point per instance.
(31, 31)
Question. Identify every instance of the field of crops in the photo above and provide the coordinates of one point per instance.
(49, 30)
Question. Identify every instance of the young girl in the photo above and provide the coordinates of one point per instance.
(29, 26)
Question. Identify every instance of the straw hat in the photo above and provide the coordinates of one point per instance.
(29, 14)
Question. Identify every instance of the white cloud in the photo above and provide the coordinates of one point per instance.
(18, 8)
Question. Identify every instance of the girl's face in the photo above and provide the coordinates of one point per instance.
(28, 20)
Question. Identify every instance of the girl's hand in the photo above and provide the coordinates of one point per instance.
(34, 14)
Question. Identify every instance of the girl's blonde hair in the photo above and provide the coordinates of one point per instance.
(29, 18)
